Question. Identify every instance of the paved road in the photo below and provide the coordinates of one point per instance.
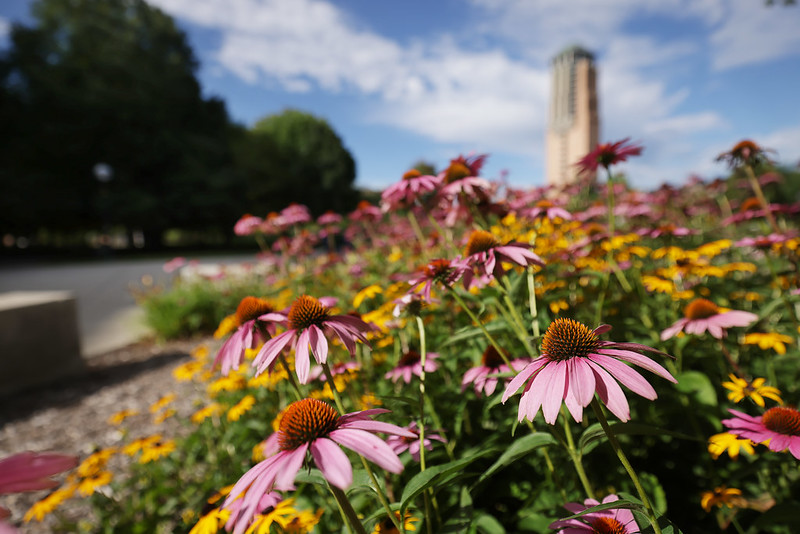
(108, 317)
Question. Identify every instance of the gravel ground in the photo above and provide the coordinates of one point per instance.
(72, 416)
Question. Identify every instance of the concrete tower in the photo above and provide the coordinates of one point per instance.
(573, 128)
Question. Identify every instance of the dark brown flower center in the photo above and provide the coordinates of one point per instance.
(411, 174)
(409, 358)
(608, 525)
(480, 241)
(491, 358)
(306, 311)
(251, 308)
(438, 269)
(700, 309)
(782, 420)
(304, 421)
(456, 171)
(566, 339)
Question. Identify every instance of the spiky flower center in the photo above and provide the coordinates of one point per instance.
(782, 420)
(480, 241)
(750, 204)
(457, 171)
(438, 269)
(409, 358)
(306, 311)
(700, 309)
(251, 308)
(566, 339)
(491, 358)
(304, 421)
(608, 525)
(411, 174)
(544, 204)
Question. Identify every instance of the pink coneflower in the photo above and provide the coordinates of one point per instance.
(607, 154)
(574, 365)
(611, 521)
(438, 271)
(764, 241)
(546, 209)
(31, 471)
(407, 191)
(410, 364)
(329, 218)
(745, 152)
(491, 364)
(666, 229)
(174, 264)
(294, 214)
(267, 500)
(400, 444)
(253, 323)
(366, 212)
(484, 252)
(310, 425)
(461, 176)
(308, 320)
(779, 426)
(247, 224)
(701, 315)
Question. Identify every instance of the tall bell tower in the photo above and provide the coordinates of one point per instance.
(573, 127)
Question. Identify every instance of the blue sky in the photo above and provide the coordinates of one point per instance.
(407, 80)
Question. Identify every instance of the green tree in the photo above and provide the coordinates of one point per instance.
(111, 81)
(304, 161)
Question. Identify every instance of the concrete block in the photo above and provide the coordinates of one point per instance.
(39, 339)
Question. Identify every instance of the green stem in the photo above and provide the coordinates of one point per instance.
(480, 325)
(412, 219)
(612, 439)
(337, 399)
(532, 303)
(575, 456)
(423, 360)
(761, 198)
(295, 387)
(347, 509)
(517, 318)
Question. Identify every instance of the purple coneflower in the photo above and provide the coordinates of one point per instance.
(491, 364)
(611, 521)
(267, 500)
(461, 176)
(410, 364)
(445, 272)
(546, 209)
(701, 315)
(779, 426)
(400, 444)
(308, 319)
(607, 154)
(310, 425)
(294, 214)
(575, 365)
(484, 252)
(252, 322)
(247, 224)
(405, 193)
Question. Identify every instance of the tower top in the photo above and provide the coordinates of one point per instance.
(574, 51)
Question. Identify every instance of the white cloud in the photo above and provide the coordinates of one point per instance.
(753, 32)
(785, 142)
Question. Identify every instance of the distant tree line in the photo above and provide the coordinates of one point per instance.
(113, 82)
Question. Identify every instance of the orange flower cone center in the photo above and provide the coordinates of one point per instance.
(608, 525)
(306, 311)
(782, 420)
(491, 358)
(304, 421)
(480, 241)
(751, 203)
(700, 309)
(456, 171)
(566, 339)
(544, 204)
(251, 308)
(411, 174)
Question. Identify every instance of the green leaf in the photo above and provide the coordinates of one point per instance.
(431, 476)
(698, 385)
(474, 331)
(621, 503)
(518, 449)
(488, 525)
(594, 435)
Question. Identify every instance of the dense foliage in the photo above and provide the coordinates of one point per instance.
(706, 273)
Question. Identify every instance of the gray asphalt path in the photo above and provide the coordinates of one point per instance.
(108, 317)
